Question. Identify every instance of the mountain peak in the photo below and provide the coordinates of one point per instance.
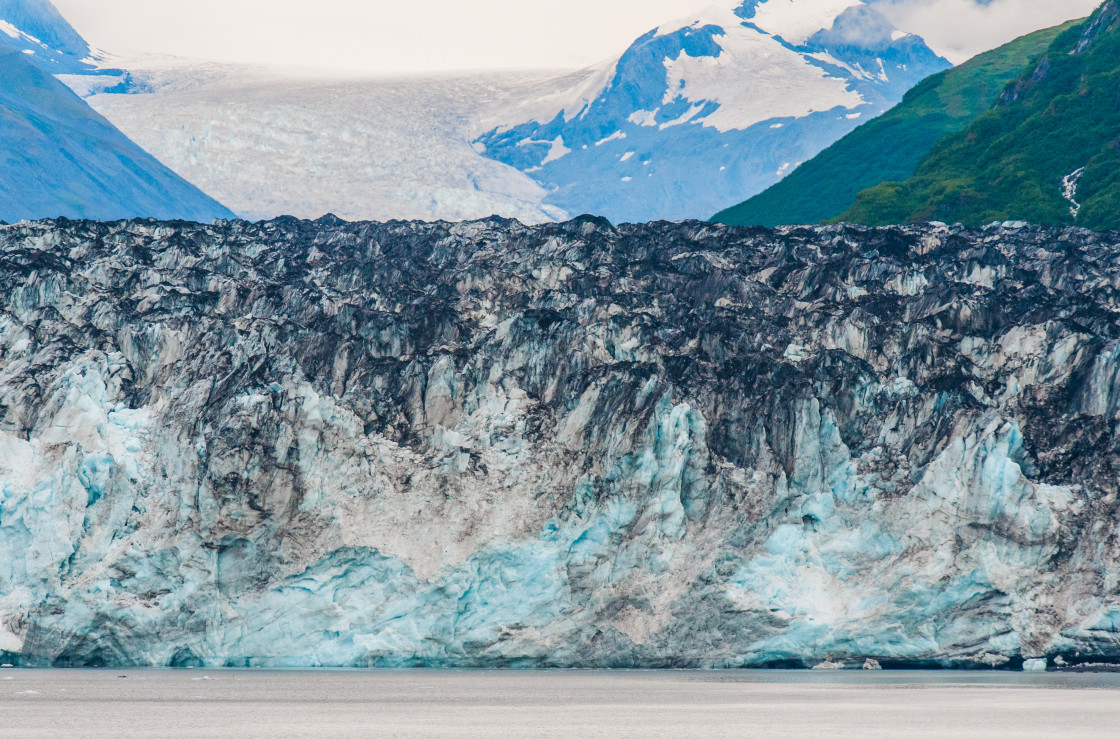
(794, 21)
(37, 29)
(704, 110)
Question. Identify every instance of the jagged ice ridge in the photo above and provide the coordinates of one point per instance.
(301, 443)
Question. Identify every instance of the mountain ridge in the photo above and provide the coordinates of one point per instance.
(1045, 152)
(891, 146)
(700, 110)
(61, 158)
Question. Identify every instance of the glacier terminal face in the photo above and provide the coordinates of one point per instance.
(699, 112)
(298, 443)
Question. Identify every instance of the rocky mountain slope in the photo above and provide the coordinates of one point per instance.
(37, 28)
(890, 147)
(58, 157)
(1047, 152)
(321, 443)
(704, 112)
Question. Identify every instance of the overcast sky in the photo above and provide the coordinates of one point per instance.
(393, 36)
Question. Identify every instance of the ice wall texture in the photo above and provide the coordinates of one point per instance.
(705, 112)
(485, 444)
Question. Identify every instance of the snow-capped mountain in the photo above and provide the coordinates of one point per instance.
(363, 149)
(707, 111)
(37, 29)
(59, 157)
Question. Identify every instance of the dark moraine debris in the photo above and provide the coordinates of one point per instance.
(485, 444)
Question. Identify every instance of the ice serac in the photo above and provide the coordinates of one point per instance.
(702, 113)
(485, 444)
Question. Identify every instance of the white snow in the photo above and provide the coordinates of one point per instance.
(643, 118)
(1070, 184)
(569, 98)
(268, 143)
(613, 137)
(688, 116)
(854, 70)
(796, 20)
(558, 151)
(9, 29)
(756, 79)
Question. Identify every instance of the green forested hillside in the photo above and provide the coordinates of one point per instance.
(1048, 152)
(890, 147)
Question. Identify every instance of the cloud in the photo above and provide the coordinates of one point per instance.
(378, 36)
(390, 36)
(960, 29)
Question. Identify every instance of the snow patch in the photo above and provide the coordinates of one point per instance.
(617, 135)
(569, 102)
(558, 151)
(756, 79)
(1070, 183)
(647, 118)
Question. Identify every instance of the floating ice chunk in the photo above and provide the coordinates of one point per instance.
(1035, 665)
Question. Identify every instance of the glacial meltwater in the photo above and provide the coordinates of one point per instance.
(273, 704)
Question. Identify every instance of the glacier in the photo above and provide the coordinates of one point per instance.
(484, 444)
(356, 146)
(707, 111)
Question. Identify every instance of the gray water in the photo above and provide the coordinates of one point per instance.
(196, 703)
